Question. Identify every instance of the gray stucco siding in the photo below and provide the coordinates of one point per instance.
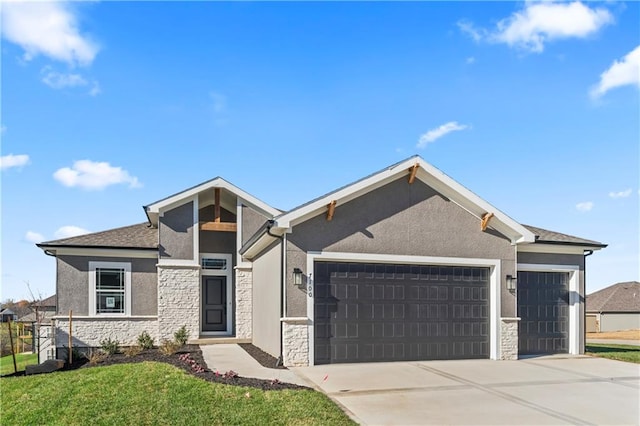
(399, 219)
(175, 233)
(73, 284)
(251, 222)
(217, 241)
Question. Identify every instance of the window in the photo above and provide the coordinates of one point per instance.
(109, 288)
(209, 263)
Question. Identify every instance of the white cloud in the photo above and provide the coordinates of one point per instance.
(95, 89)
(439, 132)
(10, 160)
(94, 175)
(621, 73)
(33, 237)
(541, 22)
(471, 60)
(57, 80)
(3, 128)
(584, 206)
(69, 231)
(49, 29)
(620, 194)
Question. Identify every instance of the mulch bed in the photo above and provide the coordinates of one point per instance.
(190, 359)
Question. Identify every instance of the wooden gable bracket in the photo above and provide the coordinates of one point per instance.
(412, 172)
(331, 208)
(217, 224)
(484, 222)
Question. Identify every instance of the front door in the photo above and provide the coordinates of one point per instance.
(214, 303)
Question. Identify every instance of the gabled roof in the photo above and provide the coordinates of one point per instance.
(47, 302)
(426, 173)
(140, 236)
(544, 236)
(620, 297)
(153, 210)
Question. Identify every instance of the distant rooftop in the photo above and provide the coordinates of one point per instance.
(621, 297)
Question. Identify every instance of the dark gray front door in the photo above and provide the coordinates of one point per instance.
(214, 303)
(389, 312)
(543, 308)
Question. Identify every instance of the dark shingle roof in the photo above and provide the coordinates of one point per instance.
(134, 236)
(48, 302)
(552, 237)
(621, 297)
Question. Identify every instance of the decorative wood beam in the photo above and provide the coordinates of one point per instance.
(219, 226)
(216, 205)
(484, 222)
(331, 208)
(413, 170)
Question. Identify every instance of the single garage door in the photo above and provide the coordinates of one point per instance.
(543, 308)
(366, 312)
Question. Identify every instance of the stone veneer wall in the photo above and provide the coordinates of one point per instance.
(509, 338)
(88, 332)
(296, 342)
(244, 302)
(178, 300)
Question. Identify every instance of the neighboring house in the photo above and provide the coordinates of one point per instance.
(42, 311)
(7, 315)
(614, 308)
(405, 264)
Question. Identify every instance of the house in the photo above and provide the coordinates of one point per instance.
(614, 308)
(42, 311)
(404, 264)
(7, 315)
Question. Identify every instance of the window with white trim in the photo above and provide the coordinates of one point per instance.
(109, 288)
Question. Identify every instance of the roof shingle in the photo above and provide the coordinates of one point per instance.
(134, 236)
(621, 297)
(546, 236)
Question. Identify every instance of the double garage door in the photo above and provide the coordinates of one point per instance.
(393, 312)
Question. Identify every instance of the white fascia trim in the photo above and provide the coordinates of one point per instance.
(430, 176)
(187, 263)
(574, 297)
(106, 317)
(215, 183)
(494, 285)
(553, 248)
(102, 252)
(262, 243)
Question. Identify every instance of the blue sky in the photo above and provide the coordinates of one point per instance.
(107, 106)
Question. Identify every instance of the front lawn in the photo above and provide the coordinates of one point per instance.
(155, 393)
(627, 353)
(22, 360)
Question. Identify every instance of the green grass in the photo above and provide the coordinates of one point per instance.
(22, 360)
(627, 353)
(157, 394)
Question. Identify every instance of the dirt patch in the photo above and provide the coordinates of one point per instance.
(261, 356)
(189, 359)
(620, 335)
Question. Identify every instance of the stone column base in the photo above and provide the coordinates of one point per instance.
(295, 351)
(178, 300)
(244, 302)
(509, 338)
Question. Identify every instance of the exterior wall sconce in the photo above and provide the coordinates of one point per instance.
(511, 282)
(297, 276)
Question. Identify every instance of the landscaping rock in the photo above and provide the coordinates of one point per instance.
(49, 366)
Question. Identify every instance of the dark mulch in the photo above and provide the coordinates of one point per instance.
(261, 356)
(190, 359)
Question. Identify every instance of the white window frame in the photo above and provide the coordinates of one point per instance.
(494, 285)
(93, 266)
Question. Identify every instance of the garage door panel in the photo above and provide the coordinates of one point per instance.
(543, 306)
(424, 313)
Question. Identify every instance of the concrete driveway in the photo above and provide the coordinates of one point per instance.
(545, 390)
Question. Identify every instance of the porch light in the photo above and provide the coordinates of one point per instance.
(511, 282)
(297, 276)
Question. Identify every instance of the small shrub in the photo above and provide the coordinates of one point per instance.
(169, 347)
(130, 351)
(145, 341)
(181, 336)
(96, 357)
(109, 346)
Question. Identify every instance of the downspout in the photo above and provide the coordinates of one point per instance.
(282, 285)
(586, 254)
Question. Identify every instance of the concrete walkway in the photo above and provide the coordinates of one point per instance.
(225, 357)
